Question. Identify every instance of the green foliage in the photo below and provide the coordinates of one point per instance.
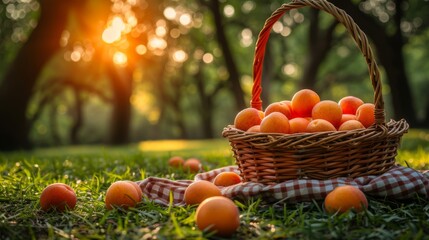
(166, 100)
(91, 170)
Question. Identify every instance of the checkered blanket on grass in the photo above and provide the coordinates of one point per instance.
(398, 183)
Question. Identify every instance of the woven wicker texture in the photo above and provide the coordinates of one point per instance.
(274, 158)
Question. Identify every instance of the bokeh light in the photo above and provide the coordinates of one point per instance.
(208, 58)
(169, 13)
(180, 56)
(185, 19)
(120, 58)
(141, 49)
(229, 11)
(111, 35)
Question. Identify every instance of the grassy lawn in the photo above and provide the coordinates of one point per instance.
(91, 169)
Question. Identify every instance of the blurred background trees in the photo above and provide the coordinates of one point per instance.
(120, 71)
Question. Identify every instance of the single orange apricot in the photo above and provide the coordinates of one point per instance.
(289, 104)
(280, 107)
(365, 114)
(219, 215)
(275, 123)
(227, 179)
(328, 110)
(350, 104)
(58, 196)
(350, 125)
(303, 102)
(198, 191)
(320, 125)
(248, 117)
(345, 198)
(176, 161)
(192, 165)
(256, 128)
(122, 194)
(298, 125)
(346, 117)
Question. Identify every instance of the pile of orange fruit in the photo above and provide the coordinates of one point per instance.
(306, 113)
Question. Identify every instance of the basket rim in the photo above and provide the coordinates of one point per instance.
(375, 132)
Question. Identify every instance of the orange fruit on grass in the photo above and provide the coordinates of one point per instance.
(346, 117)
(298, 125)
(122, 194)
(256, 128)
(58, 196)
(227, 179)
(320, 125)
(198, 191)
(351, 125)
(280, 107)
(365, 114)
(176, 161)
(303, 102)
(275, 123)
(350, 104)
(247, 118)
(192, 165)
(138, 189)
(345, 198)
(219, 215)
(328, 110)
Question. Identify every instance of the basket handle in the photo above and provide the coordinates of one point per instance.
(353, 29)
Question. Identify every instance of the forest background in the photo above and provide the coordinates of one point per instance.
(122, 71)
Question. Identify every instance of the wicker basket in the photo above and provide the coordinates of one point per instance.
(273, 158)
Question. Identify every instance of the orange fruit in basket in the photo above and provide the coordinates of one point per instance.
(298, 125)
(280, 107)
(247, 118)
(198, 191)
(275, 123)
(350, 104)
(289, 104)
(192, 165)
(176, 161)
(350, 125)
(303, 102)
(219, 215)
(365, 114)
(346, 117)
(256, 128)
(320, 125)
(227, 179)
(345, 198)
(328, 110)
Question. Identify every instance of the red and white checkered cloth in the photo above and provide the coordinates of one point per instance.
(398, 183)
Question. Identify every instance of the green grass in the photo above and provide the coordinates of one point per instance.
(91, 169)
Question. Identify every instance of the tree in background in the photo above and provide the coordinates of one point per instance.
(18, 84)
(126, 70)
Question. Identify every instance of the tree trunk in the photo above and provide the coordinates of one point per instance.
(234, 76)
(121, 82)
(18, 84)
(176, 101)
(206, 108)
(319, 42)
(77, 116)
